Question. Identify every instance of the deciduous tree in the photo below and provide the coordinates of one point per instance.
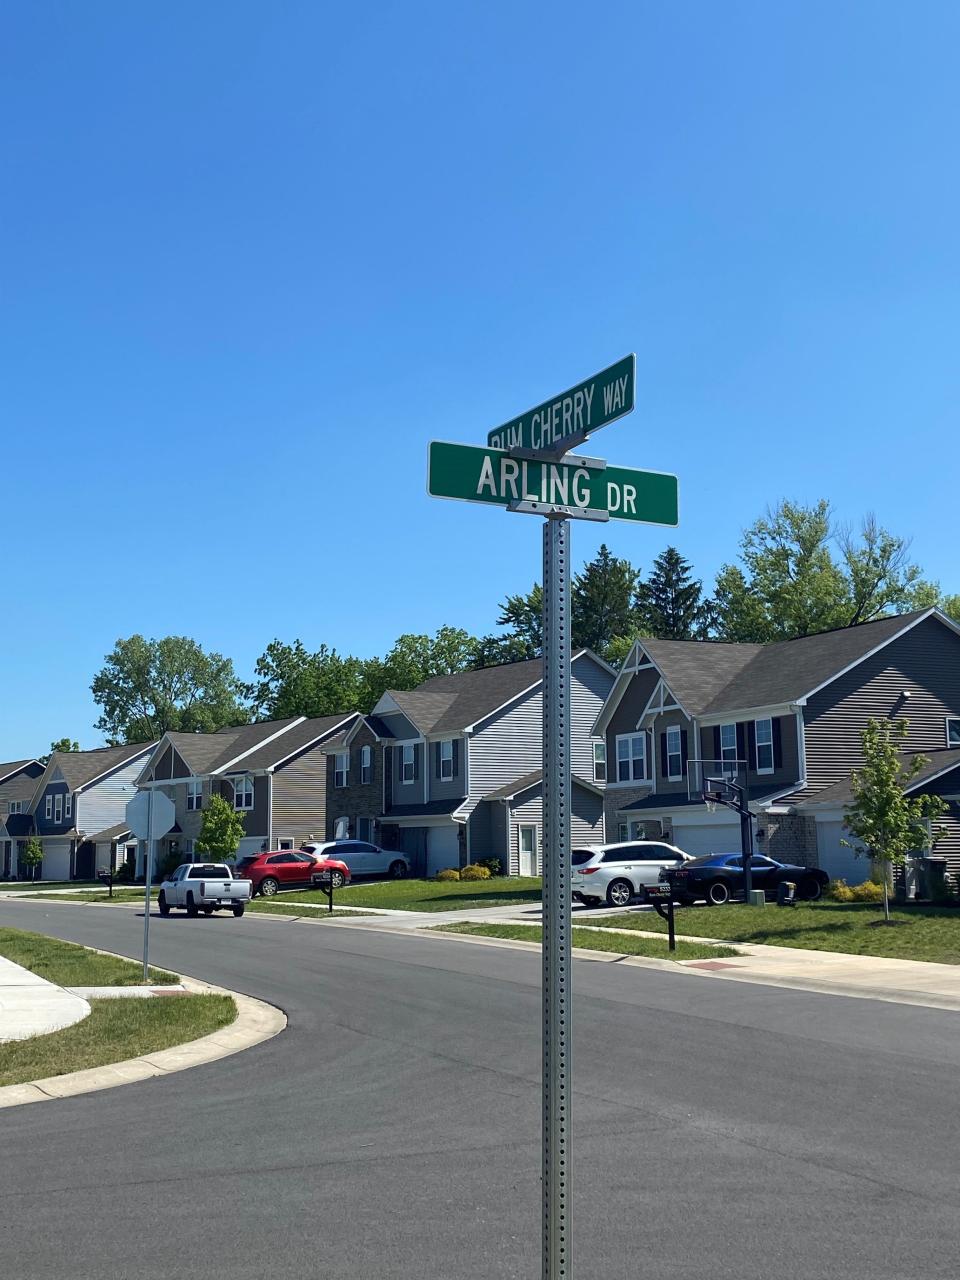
(221, 831)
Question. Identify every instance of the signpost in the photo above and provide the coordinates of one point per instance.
(565, 421)
(523, 468)
(149, 817)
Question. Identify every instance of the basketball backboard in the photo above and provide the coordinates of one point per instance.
(711, 782)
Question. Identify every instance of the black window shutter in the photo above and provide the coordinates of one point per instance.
(416, 760)
(663, 755)
(717, 748)
(436, 759)
(683, 751)
(649, 760)
(752, 744)
(741, 741)
(456, 757)
(777, 744)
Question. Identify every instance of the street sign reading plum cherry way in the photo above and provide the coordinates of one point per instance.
(523, 468)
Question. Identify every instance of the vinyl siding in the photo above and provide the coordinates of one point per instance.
(507, 747)
(484, 841)
(586, 820)
(449, 789)
(49, 826)
(104, 803)
(399, 726)
(790, 766)
(590, 684)
(20, 786)
(300, 796)
(255, 820)
(925, 662)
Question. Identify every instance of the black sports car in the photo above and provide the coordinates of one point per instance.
(719, 877)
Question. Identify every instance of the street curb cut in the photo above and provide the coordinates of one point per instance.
(256, 1021)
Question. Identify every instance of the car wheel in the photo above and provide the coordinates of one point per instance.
(337, 879)
(238, 908)
(810, 889)
(718, 893)
(269, 886)
(592, 902)
(208, 911)
(619, 893)
(163, 904)
(398, 869)
(191, 906)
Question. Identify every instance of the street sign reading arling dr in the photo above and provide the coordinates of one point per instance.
(568, 418)
(474, 474)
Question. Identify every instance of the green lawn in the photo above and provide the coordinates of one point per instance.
(430, 895)
(284, 906)
(928, 933)
(70, 965)
(114, 1031)
(31, 886)
(618, 942)
(125, 894)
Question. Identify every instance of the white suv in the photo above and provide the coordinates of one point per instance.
(362, 858)
(618, 872)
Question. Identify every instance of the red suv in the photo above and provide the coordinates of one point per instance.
(288, 869)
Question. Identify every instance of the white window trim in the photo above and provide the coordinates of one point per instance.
(194, 794)
(947, 723)
(446, 744)
(251, 791)
(412, 748)
(341, 775)
(602, 747)
(16, 806)
(678, 776)
(723, 757)
(757, 744)
(535, 851)
(58, 807)
(366, 764)
(623, 832)
(48, 808)
(630, 738)
(68, 805)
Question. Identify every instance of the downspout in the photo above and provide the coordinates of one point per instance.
(270, 808)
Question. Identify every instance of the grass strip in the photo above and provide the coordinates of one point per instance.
(70, 965)
(620, 943)
(431, 895)
(284, 907)
(92, 895)
(921, 933)
(114, 1031)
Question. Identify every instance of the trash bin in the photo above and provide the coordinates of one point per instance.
(935, 876)
(786, 894)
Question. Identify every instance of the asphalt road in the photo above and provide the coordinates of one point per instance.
(721, 1130)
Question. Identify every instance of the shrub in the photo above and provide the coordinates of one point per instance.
(448, 873)
(869, 891)
(475, 871)
(839, 891)
(124, 872)
(493, 865)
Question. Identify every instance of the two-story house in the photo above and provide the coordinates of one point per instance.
(79, 796)
(273, 773)
(18, 782)
(451, 772)
(785, 721)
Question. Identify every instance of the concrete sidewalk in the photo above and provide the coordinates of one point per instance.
(31, 1006)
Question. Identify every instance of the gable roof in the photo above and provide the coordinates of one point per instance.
(534, 779)
(81, 768)
(14, 766)
(710, 678)
(249, 747)
(294, 740)
(454, 703)
(840, 794)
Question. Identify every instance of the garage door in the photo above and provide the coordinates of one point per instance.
(56, 860)
(714, 837)
(443, 849)
(839, 863)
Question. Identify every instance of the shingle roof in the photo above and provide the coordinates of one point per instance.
(710, 678)
(530, 780)
(207, 752)
(14, 766)
(432, 809)
(841, 793)
(292, 741)
(81, 767)
(110, 833)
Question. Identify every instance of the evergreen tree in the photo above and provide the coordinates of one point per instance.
(601, 603)
(670, 603)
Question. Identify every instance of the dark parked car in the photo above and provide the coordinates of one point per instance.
(719, 877)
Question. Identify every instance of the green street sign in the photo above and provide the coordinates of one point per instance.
(473, 474)
(568, 418)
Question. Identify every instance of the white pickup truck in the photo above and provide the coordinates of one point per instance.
(203, 886)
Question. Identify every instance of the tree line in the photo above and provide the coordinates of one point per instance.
(796, 573)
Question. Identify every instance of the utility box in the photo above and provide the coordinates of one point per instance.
(756, 898)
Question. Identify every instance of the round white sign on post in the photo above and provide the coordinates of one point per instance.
(138, 816)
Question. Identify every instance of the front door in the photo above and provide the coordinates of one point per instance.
(527, 840)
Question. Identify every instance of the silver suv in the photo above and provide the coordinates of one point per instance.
(618, 872)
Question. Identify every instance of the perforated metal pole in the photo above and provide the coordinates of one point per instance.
(148, 872)
(557, 994)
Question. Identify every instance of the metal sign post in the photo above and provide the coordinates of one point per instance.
(148, 872)
(557, 992)
(149, 816)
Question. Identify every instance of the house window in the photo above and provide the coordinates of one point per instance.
(243, 792)
(446, 760)
(341, 768)
(58, 808)
(632, 757)
(764, 736)
(48, 807)
(284, 844)
(728, 743)
(599, 762)
(407, 761)
(623, 832)
(68, 805)
(366, 764)
(953, 732)
(16, 806)
(365, 830)
(195, 794)
(674, 754)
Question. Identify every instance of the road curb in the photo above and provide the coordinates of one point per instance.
(256, 1021)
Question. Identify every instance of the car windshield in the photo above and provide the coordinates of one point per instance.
(580, 856)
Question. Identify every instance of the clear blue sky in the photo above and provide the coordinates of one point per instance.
(255, 256)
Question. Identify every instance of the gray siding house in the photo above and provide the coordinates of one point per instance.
(274, 773)
(784, 719)
(454, 767)
(18, 784)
